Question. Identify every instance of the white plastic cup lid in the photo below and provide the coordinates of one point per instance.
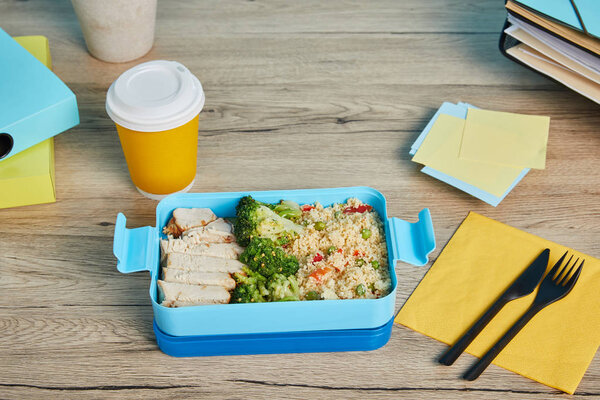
(154, 96)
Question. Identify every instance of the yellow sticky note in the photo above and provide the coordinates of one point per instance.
(505, 138)
(479, 262)
(38, 46)
(440, 151)
(28, 177)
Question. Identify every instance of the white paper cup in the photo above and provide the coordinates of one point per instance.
(117, 30)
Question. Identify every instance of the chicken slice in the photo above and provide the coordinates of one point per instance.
(198, 277)
(187, 218)
(218, 231)
(222, 250)
(191, 262)
(170, 293)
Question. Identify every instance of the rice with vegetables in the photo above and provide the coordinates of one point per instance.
(342, 252)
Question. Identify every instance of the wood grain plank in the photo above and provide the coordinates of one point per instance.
(126, 339)
(217, 18)
(298, 58)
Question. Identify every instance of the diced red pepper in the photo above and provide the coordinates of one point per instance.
(318, 274)
(358, 254)
(318, 257)
(340, 251)
(360, 209)
(307, 207)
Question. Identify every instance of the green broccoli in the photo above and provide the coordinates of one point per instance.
(288, 209)
(250, 287)
(263, 256)
(282, 288)
(257, 219)
(244, 293)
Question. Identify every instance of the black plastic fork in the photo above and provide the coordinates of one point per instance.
(555, 286)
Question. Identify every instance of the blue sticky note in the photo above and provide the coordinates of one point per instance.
(473, 190)
(563, 11)
(460, 111)
(35, 104)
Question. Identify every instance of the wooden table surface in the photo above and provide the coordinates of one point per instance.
(306, 94)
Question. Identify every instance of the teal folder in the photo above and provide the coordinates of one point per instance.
(563, 11)
(34, 103)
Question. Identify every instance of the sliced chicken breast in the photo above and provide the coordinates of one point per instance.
(188, 218)
(191, 262)
(218, 231)
(198, 277)
(222, 250)
(172, 293)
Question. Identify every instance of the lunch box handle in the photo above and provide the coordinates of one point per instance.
(412, 242)
(134, 248)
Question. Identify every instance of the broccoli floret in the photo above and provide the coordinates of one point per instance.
(244, 293)
(257, 219)
(282, 288)
(249, 277)
(250, 287)
(288, 209)
(264, 257)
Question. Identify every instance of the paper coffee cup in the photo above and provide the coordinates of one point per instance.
(155, 106)
(117, 30)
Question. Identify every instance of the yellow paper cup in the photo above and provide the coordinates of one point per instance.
(156, 106)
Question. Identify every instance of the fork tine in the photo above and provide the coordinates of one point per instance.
(566, 276)
(560, 275)
(558, 263)
(574, 278)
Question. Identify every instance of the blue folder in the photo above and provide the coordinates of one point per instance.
(34, 103)
(564, 12)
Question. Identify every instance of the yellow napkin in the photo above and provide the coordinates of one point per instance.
(505, 138)
(479, 262)
(440, 151)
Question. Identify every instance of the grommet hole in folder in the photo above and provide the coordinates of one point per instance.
(6, 144)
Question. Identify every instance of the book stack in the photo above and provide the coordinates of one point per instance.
(35, 107)
(557, 38)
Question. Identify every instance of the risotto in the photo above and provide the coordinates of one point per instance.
(342, 252)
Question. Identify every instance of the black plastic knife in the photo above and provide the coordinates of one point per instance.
(522, 286)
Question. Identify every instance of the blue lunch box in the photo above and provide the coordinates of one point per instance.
(138, 250)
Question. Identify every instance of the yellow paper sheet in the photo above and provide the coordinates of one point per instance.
(480, 261)
(505, 138)
(440, 151)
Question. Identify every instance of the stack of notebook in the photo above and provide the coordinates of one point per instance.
(558, 38)
(36, 105)
(484, 153)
